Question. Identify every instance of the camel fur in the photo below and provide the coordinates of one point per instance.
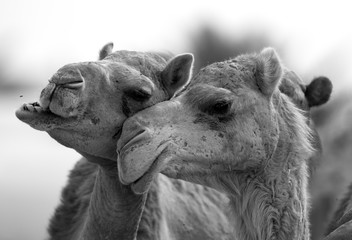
(83, 107)
(76, 196)
(232, 130)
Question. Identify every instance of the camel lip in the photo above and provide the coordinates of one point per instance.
(124, 144)
(28, 111)
(129, 174)
(37, 117)
(142, 184)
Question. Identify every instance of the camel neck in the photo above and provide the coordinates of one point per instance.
(270, 211)
(114, 211)
(271, 203)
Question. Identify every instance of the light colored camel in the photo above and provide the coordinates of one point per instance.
(234, 131)
(83, 107)
(75, 197)
(77, 194)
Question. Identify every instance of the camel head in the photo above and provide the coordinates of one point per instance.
(228, 119)
(85, 104)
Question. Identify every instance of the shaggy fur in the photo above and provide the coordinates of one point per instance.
(70, 214)
(272, 202)
(74, 202)
(83, 108)
(234, 131)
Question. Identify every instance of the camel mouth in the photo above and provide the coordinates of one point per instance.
(141, 185)
(126, 147)
(123, 146)
(32, 110)
(37, 116)
(139, 161)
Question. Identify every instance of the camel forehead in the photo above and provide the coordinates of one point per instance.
(102, 72)
(231, 80)
(146, 63)
(77, 70)
(120, 65)
(230, 75)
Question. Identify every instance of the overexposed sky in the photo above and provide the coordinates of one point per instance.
(38, 36)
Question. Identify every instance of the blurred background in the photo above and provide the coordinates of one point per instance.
(38, 37)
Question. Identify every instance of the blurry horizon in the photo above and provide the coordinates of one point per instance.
(38, 37)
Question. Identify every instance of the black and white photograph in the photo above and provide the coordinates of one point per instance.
(175, 120)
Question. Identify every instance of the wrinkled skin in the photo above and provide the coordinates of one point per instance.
(73, 112)
(82, 177)
(84, 104)
(304, 97)
(234, 131)
(83, 107)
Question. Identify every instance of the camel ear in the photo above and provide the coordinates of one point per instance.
(269, 71)
(177, 73)
(318, 91)
(106, 50)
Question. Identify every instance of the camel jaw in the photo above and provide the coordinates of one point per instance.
(43, 120)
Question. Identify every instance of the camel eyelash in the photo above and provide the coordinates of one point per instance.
(138, 94)
(218, 107)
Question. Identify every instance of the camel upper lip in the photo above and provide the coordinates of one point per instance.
(32, 110)
(39, 118)
(141, 183)
(124, 144)
(133, 165)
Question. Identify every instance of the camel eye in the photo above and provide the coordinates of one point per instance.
(219, 108)
(139, 95)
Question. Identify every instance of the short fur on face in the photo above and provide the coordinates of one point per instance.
(84, 104)
(233, 130)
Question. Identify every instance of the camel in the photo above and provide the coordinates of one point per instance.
(83, 107)
(76, 197)
(340, 227)
(231, 130)
(306, 96)
(82, 177)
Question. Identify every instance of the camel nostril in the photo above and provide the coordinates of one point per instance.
(46, 95)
